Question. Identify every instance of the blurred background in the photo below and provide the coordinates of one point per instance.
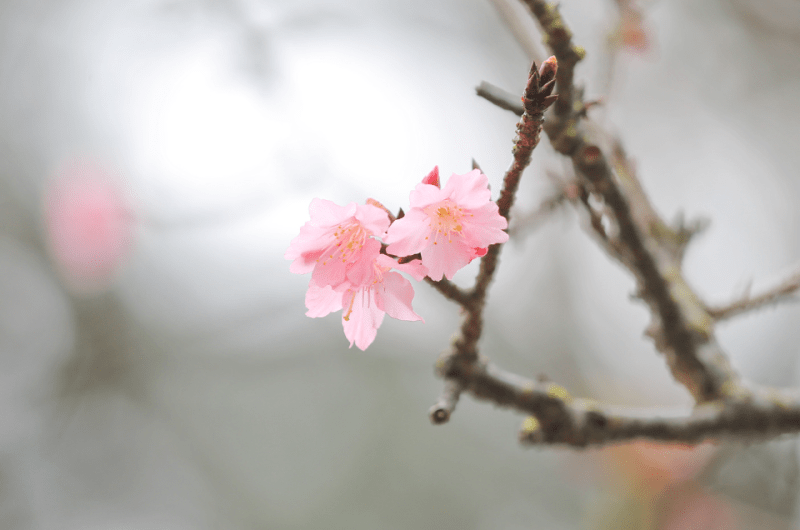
(157, 371)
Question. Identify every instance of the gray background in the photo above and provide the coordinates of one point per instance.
(191, 392)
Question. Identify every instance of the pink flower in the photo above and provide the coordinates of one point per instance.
(365, 304)
(450, 227)
(332, 245)
(339, 248)
(89, 224)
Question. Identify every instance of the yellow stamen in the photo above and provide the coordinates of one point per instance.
(350, 308)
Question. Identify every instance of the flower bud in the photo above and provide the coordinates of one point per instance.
(547, 71)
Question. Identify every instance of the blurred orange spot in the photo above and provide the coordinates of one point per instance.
(699, 510)
(633, 35)
(658, 465)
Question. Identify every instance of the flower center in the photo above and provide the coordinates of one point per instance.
(446, 217)
(350, 237)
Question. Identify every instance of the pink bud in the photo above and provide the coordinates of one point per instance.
(548, 70)
(433, 177)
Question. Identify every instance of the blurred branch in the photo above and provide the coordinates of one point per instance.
(647, 246)
(501, 98)
(784, 291)
(631, 231)
(558, 418)
(450, 290)
(514, 19)
(441, 411)
(558, 39)
(547, 207)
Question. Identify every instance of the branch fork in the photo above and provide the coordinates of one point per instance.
(682, 325)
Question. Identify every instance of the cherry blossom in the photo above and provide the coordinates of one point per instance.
(449, 227)
(339, 247)
(332, 245)
(364, 305)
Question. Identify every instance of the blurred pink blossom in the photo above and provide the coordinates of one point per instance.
(449, 227)
(659, 465)
(88, 224)
(631, 32)
(697, 509)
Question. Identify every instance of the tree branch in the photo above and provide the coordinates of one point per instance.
(503, 99)
(450, 291)
(440, 412)
(682, 327)
(784, 291)
(547, 207)
(558, 38)
(536, 99)
(558, 418)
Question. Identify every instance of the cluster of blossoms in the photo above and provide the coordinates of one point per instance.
(341, 247)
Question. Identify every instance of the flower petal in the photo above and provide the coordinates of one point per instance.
(394, 296)
(485, 227)
(446, 258)
(327, 213)
(425, 195)
(317, 234)
(408, 235)
(470, 190)
(373, 219)
(361, 271)
(414, 267)
(362, 323)
(322, 300)
(331, 271)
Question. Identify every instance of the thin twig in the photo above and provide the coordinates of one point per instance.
(503, 99)
(536, 99)
(784, 291)
(450, 291)
(440, 412)
(513, 16)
